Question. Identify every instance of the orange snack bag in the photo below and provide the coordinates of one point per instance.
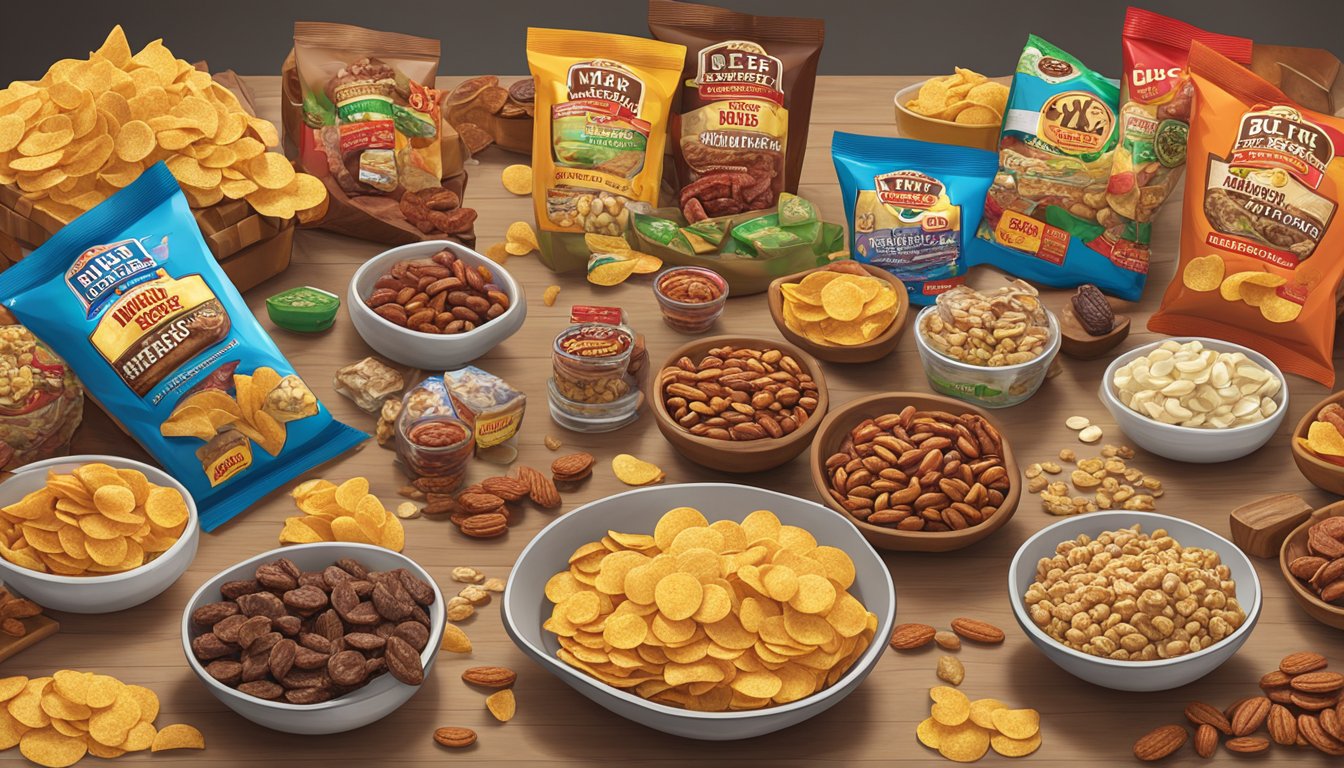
(1260, 240)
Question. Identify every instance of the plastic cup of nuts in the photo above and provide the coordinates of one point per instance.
(691, 298)
(1195, 399)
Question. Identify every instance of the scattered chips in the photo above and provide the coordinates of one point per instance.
(95, 521)
(613, 260)
(710, 617)
(262, 405)
(548, 298)
(965, 97)
(455, 640)
(964, 731)
(345, 512)
(517, 179)
(841, 305)
(89, 127)
(177, 736)
(633, 471)
(520, 240)
(502, 705)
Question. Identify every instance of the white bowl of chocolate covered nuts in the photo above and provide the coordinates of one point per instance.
(1195, 399)
(413, 304)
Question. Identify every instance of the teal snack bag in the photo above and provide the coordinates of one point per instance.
(911, 206)
(1047, 218)
(130, 295)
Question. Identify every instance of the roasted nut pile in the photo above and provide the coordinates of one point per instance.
(1188, 385)
(1322, 571)
(482, 511)
(1133, 596)
(441, 294)
(739, 394)
(310, 636)
(920, 471)
(1111, 483)
(1007, 326)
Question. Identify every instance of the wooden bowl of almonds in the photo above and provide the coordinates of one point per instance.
(916, 472)
(1312, 560)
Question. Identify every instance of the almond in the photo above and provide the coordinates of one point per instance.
(541, 489)
(1318, 682)
(1250, 716)
(1309, 728)
(1314, 702)
(1332, 723)
(1301, 663)
(485, 526)
(1247, 744)
(455, 737)
(907, 637)
(1160, 742)
(572, 467)
(1282, 725)
(1199, 713)
(977, 631)
(948, 641)
(507, 488)
(477, 503)
(1206, 740)
(1306, 566)
(490, 677)
(1275, 679)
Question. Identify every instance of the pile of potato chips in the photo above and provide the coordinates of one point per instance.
(345, 512)
(90, 127)
(55, 721)
(839, 308)
(95, 521)
(1253, 287)
(963, 730)
(613, 260)
(637, 472)
(966, 97)
(728, 616)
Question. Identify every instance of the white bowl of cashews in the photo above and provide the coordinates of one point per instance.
(1195, 399)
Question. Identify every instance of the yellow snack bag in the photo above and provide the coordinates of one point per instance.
(601, 124)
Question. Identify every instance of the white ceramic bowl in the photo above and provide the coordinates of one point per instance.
(111, 592)
(429, 351)
(1193, 444)
(1158, 675)
(526, 606)
(986, 387)
(380, 698)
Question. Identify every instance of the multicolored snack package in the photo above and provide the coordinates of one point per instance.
(1046, 215)
(909, 205)
(601, 127)
(1155, 100)
(130, 295)
(739, 121)
(1260, 238)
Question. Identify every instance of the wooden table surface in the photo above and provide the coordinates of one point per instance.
(1080, 723)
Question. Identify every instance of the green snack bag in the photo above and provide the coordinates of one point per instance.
(711, 230)
(795, 210)
(660, 231)
(765, 232)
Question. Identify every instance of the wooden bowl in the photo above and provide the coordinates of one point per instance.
(1295, 546)
(867, 352)
(731, 455)
(1321, 473)
(838, 424)
(1076, 342)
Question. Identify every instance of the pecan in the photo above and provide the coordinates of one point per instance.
(490, 677)
(1093, 310)
(485, 526)
(455, 737)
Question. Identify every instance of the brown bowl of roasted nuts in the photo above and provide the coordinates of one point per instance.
(916, 472)
(1312, 560)
(738, 403)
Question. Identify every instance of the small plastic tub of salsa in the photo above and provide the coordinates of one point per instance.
(304, 309)
(436, 446)
(692, 298)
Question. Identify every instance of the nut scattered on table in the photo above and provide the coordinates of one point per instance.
(950, 670)
(738, 393)
(452, 736)
(573, 467)
(438, 295)
(1187, 385)
(1006, 326)
(1100, 482)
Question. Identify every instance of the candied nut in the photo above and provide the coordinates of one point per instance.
(1051, 467)
(474, 594)
(946, 640)
(552, 443)
(494, 584)
(467, 575)
(459, 611)
(1068, 455)
(407, 510)
(951, 670)
(1006, 326)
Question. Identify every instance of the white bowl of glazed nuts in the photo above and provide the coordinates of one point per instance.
(1134, 609)
(1195, 399)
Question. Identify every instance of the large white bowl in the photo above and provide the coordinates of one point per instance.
(1193, 444)
(380, 698)
(430, 351)
(111, 592)
(1158, 675)
(526, 606)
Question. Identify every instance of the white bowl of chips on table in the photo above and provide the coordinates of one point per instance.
(964, 108)
(679, 652)
(134, 525)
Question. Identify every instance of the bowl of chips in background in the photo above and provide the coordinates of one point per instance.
(965, 108)
(382, 696)
(862, 338)
(527, 607)
(430, 351)
(97, 592)
(738, 456)
(1198, 445)
(1315, 454)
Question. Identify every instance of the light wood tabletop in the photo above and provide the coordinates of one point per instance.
(1081, 724)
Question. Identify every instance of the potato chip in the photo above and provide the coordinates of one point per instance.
(177, 736)
(517, 179)
(1277, 309)
(950, 707)
(606, 244)
(982, 711)
(1204, 273)
(978, 115)
(1324, 438)
(1016, 723)
(1009, 747)
(965, 743)
(455, 640)
(608, 270)
(12, 686)
(502, 705)
(46, 746)
(1230, 288)
(520, 232)
(518, 249)
(633, 471)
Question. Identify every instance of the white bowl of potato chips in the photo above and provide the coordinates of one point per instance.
(964, 108)
(814, 606)
(135, 526)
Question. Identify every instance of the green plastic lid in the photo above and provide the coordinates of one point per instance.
(304, 309)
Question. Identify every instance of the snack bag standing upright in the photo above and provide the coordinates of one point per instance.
(1155, 100)
(601, 127)
(1262, 245)
(130, 295)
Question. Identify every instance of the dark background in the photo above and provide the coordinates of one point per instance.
(863, 37)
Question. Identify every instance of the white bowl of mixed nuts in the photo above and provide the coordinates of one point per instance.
(416, 305)
(1134, 611)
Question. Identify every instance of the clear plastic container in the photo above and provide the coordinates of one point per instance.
(998, 387)
(436, 446)
(594, 417)
(691, 316)
(591, 362)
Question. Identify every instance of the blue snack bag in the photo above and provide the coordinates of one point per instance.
(130, 295)
(911, 206)
(1046, 217)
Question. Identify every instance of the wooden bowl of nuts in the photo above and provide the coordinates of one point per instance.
(1312, 560)
(1326, 475)
(739, 403)
(916, 472)
(875, 348)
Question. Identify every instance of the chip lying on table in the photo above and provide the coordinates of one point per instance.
(132, 298)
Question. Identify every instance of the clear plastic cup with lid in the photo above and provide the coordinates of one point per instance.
(591, 362)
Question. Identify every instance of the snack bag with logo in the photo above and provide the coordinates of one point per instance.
(908, 204)
(1261, 237)
(739, 123)
(130, 295)
(1155, 98)
(601, 127)
(1046, 216)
